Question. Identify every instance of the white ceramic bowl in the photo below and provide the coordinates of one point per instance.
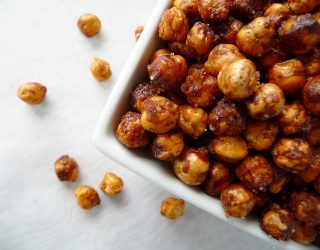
(137, 160)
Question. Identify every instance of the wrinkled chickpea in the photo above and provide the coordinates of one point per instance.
(111, 184)
(180, 48)
(248, 9)
(311, 62)
(311, 130)
(304, 234)
(87, 197)
(172, 208)
(100, 69)
(228, 30)
(138, 31)
(32, 93)
(281, 178)
(276, 55)
(277, 13)
(89, 24)
(66, 168)
(189, 7)
(167, 146)
(311, 95)
(312, 171)
(214, 10)
(303, 6)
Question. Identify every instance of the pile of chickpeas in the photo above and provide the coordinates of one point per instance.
(233, 103)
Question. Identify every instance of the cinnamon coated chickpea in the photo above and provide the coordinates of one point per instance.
(304, 234)
(167, 146)
(303, 6)
(277, 13)
(228, 30)
(100, 69)
(111, 184)
(214, 10)
(311, 130)
(281, 178)
(89, 24)
(66, 168)
(87, 197)
(312, 171)
(32, 92)
(311, 62)
(172, 208)
(311, 95)
(248, 9)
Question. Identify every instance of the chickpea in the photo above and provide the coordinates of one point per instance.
(257, 37)
(89, 24)
(222, 54)
(228, 30)
(291, 154)
(281, 178)
(226, 119)
(189, 7)
(311, 130)
(214, 10)
(261, 200)
(172, 208)
(267, 102)
(219, 177)
(305, 207)
(303, 6)
(229, 148)
(304, 234)
(100, 69)
(312, 171)
(237, 200)
(192, 166)
(173, 25)
(276, 55)
(111, 184)
(311, 95)
(311, 62)
(130, 131)
(167, 146)
(316, 185)
(138, 31)
(317, 16)
(261, 135)
(277, 13)
(278, 222)
(32, 93)
(239, 79)
(87, 197)
(66, 168)
(182, 49)
(248, 9)
(160, 52)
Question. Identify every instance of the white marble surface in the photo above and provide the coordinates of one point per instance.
(40, 42)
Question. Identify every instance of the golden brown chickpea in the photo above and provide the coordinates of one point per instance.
(291, 154)
(311, 62)
(173, 25)
(167, 146)
(228, 30)
(66, 168)
(311, 130)
(299, 34)
(281, 178)
(278, 222)
(89, 24)
(305, 207)
(87, 197)
(159, 114)
(267, 102)
(316, 185)
(277, 13)
(276, 55)
(248, 9)
(312, 171)
(290, 76)
(172, 208)
(237, 200)
(226, 119)
(130, 131)
(255, 172)
(311, 95)
(222, 54)
(214, 10)
(189, 7)
(160, 52)
(239, 79)
(100, 69)
(32, 93)
(303, 6)
(317, 16)
(138, 31)
(229, 148)
(111, 184)
(292, 117)
(182, 49)
(261, 135)
(192, 166)
(257, 37)
(304, 234)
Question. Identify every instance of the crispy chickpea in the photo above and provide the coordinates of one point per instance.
(278, 222)
(312, 171)
(239, 79)
(192, 166)
(277, 13)
(292, 117)
(303, 6)
(276, 55)
(229, 148)
(111, 184)
(189, 7)
(317, 16)
(182, 49)
(267, 102)
(100, 69)
(291, 154)
(214, 10)
(226, 119)
(130, 131)
(160, 52)
(311, 95)
(87, 197)
(261, 135)
(237, 200)
(138, 31)
(228, 30)
(316, 185)
(257, 37)
(255, 172)
(311, 62)
(173, 25)
(32, 93)
(167, 146)
(305, 207)
(311, 130)
(248, 9)
(299, 34)
(304, 234)
(290, 76)
(219, 177)
(281, 178)
(66, 168)
(89, 24)
(172, 208)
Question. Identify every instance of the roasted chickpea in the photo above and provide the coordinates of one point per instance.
(305, 207)
(277, 13)
(167, 146)
(214, 10)
(248, 9)
(89, 24)
(172, 208)
(32, 93)
(237, 200)
(87, 197)
(192, 166)
(276, 55)
(160, 52)
(316, 185)
(189, 7)
(311, 62)
(229, 148)
(311, 130)
(281, 178)
(111, 184)
(138, 31)
(261, 200)
(261, 135)
(312, 171)
(267, 102)
(304, 234)
(239, 79)
(222, 54)
(173, 25)
(100, 69)
(303, 6)
(317, 16)
(311, 95)
(228, 30)
(130, 131)
(182, 49)
(291, 154)
(66, 168)
(226, 119)
(219, 177)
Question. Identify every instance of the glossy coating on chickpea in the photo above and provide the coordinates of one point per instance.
(303, 6)
(214, 10)
(281, 178)
(192, 166)
(172, 208)
(100, 69)
(311, 95)
(248, 9)
(167, 146)
(89, 24)
(111, 184)
(276, 55)
(180, 48)
(228, 30)
(311, 130)
(189, 7)
(66, 168)
(160, 52)
(304, 234)
(277, 13)
(87, 197)
(312, 171)
(311, 62)
(32, 92)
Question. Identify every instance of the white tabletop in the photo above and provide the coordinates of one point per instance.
(40, 42)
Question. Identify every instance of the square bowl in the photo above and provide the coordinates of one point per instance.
(137, 160)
